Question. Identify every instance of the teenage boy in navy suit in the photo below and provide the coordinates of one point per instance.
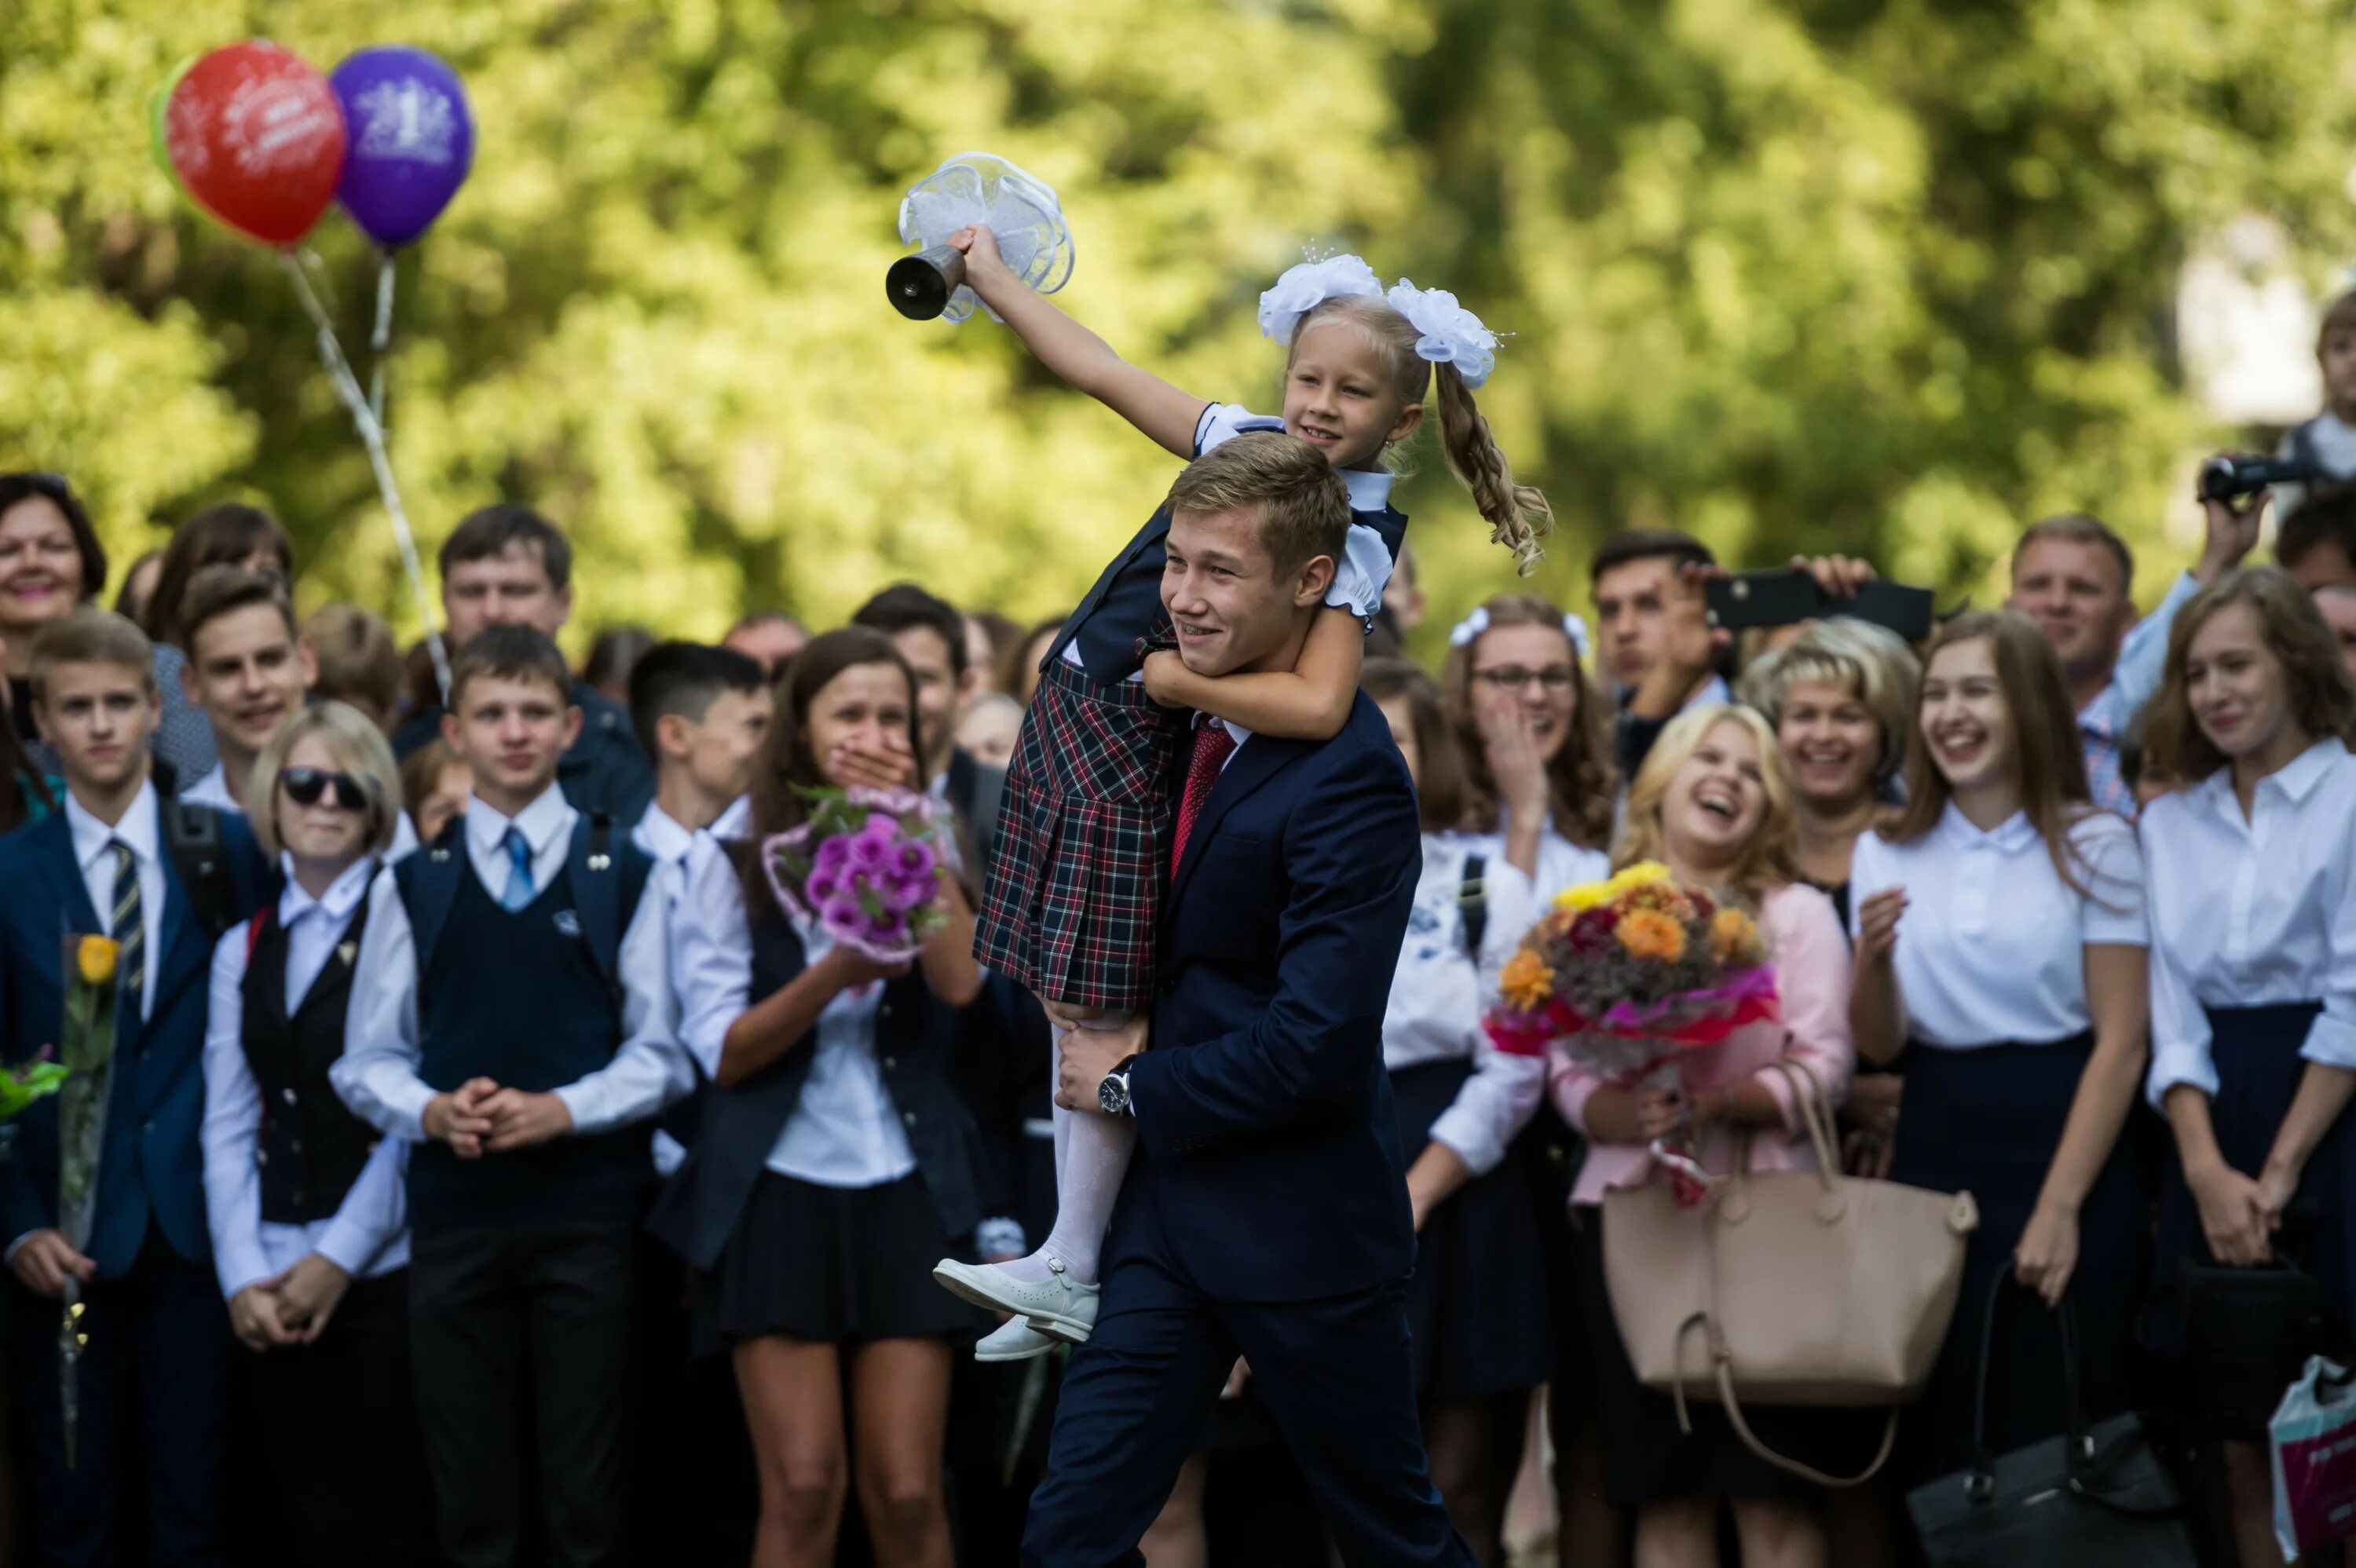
(1266, 1212)
(511, 1014)
(159, 1355)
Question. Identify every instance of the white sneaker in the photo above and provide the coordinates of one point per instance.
(1059, 1306)
(1012, 1340)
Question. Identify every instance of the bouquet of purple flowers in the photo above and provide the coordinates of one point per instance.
(866, 867)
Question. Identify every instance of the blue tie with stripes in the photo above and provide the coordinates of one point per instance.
(128, 926)
(518, 892)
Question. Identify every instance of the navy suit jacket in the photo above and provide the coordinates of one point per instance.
(153, 1162)
(1268, 1166)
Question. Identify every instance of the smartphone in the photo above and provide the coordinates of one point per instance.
(1893, 606)
(1778, 598)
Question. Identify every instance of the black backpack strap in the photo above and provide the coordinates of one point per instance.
(1473, 903)
(428, 885)
(193, 841)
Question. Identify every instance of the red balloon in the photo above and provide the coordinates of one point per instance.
(257, 138)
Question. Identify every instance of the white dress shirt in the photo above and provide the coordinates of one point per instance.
(844, 1131)
(378, 1074)
(1442, 989)
(665, 840)
(2249, 913)
(735, 822)
(1991, 949)
(142, 828)
(213, 790)
(368, 1232)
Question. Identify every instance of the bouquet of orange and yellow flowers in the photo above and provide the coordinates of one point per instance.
(1627, 975)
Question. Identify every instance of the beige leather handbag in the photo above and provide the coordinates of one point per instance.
(1788, 1287)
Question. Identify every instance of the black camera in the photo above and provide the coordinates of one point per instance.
(2231, 478)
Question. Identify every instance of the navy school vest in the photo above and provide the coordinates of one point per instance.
(531, 999)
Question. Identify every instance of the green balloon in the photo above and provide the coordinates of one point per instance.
(159, 105)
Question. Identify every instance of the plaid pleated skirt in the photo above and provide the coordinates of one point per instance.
(1084, 836)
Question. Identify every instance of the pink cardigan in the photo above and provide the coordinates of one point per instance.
(1812, 973)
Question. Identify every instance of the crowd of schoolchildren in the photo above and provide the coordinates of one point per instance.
(492, 1172)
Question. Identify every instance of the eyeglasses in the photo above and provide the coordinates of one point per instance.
(305, 787)
(1555, 680)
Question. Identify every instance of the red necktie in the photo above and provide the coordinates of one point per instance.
(1213, 745)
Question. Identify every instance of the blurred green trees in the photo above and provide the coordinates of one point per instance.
(1880, 275)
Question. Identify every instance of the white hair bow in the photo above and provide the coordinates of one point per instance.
(1451, 334)
(1472, 627)
(1576, 630)
(1305, 285)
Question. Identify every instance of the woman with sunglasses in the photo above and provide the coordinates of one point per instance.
(305, 1202)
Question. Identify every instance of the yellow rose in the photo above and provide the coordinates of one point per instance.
(96, 956)
(1644, 873)
(1527, 982)
(1584, 896)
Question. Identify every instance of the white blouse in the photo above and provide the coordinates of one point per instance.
(1991, 948)
(2248, 913)
(844, 1131)
(1438, 997)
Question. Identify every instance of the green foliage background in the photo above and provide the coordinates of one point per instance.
(1879, 275)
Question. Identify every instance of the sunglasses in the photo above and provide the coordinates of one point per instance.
(304, 786)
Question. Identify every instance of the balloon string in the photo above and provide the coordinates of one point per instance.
(382, 339)
(371, 432)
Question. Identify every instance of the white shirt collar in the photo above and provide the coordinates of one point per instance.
(140, 827)
(661, 835)
(539, 822)
(1370, 488)
(212, 790)
(2294, 780)
(343, 895)
(733, 821)
(2006, 838)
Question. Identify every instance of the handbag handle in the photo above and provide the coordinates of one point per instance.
(1816, 1117)
(1723, 1361)
(1996, 1334)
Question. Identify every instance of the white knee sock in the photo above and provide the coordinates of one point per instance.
(1092, 1154)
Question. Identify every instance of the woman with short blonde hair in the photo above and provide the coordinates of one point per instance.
(359, 748)
(304, 1201)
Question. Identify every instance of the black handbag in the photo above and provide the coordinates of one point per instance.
(2228, 1341)
(2093, 1497)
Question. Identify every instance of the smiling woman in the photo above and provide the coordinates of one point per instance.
(50, 562)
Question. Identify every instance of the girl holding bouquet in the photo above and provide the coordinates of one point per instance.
(2000, 938)
(1713, 803)
(1087, 824)
(835, 1160)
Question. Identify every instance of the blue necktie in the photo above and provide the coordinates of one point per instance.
(128, 926)
(518, 892)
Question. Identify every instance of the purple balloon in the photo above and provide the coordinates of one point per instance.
(412, 141)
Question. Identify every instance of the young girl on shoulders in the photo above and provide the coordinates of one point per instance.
(1087, 822)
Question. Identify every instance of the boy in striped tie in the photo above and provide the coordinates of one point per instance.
(156, 1355)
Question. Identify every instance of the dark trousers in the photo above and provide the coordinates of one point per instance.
(154, 1387)
(522, 1338)
(338, 1426)
(1333, 1375)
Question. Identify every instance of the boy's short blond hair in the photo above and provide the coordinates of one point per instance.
(1305, 508)
(90, 635)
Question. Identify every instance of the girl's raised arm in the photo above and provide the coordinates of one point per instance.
(1162, 411)
(1310, 701)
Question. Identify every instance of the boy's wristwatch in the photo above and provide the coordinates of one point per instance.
(1113, 1094)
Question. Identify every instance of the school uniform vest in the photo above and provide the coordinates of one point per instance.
(312, 1148)
(915, 1035)
(517, 998)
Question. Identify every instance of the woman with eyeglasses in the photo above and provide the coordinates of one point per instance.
(305, 1201)
(1535, 737)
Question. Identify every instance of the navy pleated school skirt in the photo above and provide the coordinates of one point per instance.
(2257, 1052)
(1987, 1121)
(1476, 1306)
